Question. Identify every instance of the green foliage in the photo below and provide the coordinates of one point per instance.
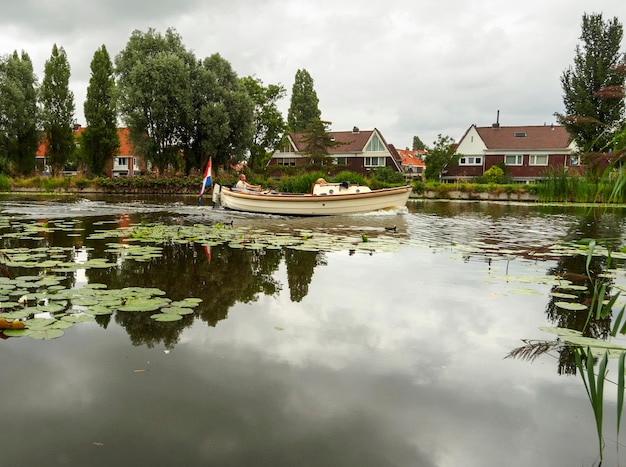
(351, 177)
(418, 144)
(268, 123)
(494, 174)
(58, 110)
(591, 118)
(18, 114)
(155, 98)
(5, 183)
(304, 106)
(387, 175)
(318, 141)
(440, 157)
(299, 184)
(100, 141)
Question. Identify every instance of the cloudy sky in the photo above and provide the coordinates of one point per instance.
(406, 67)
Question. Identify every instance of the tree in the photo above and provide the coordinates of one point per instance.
(57, 110)
(222, 124)
(303, 108)
(590, 118)
(417, 144)
(100, 141)
(18, 113)
(155, 100)
(318, 141)
(268, 123)
(440, 157)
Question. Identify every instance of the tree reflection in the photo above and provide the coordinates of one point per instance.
(573, 268)
(300, 267)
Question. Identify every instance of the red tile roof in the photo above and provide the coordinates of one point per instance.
(525, 137)
(409, 157)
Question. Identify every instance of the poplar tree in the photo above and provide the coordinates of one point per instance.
(100, 140)
(18, 113)
(304, 106)
(57, 110)
(590, 117)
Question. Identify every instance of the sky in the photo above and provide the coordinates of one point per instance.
(406, 67)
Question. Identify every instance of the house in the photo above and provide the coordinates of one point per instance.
(358, 150)
(126, 163)
(411, 163)
(527, 151)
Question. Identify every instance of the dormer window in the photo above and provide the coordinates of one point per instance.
(520, 134)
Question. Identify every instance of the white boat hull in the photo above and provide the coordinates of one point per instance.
(313, 205)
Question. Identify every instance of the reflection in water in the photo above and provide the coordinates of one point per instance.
(310, 358)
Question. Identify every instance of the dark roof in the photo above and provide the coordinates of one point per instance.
(525, 137)
(351, 142)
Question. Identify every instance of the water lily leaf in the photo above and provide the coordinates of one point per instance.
(85, 301)
(82, 318)
(16, 332)
(561, 331)
(177, 310)
(53, 307)
(166, 317)
(572, 306)
(143, 304)
(99, 310)
(48, 333)
(563, 295)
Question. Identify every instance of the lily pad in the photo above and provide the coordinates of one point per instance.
(572, 306)
(166, 317)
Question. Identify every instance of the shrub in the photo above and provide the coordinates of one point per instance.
(5, 183)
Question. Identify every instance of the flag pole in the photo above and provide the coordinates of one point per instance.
(206, 181)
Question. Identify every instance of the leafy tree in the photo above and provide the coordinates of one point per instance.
(590, 118)
(18, 113)
(418, 144)
(57, 110)
(268, 123)
(318, 141)
(440, 157)
(155, 99)
(222, 125)
(303, 108)
(100, 141)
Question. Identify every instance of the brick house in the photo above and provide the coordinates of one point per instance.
(527, 151)
(411, 163)
(358, 150)
(126, 163)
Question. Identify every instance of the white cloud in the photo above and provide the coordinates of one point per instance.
(406, 68)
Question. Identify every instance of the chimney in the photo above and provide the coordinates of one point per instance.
(355, 130)
(497, 124)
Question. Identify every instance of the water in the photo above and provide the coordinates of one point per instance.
(348, 357)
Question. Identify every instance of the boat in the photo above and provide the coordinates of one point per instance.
(325, 199)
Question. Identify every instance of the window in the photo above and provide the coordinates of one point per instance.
(122, 161)
(536, 159)
(287, 161)
(374, 162)
(341, 160)
(513, 160)
(574, 160)
(471, 160)
(375, 144)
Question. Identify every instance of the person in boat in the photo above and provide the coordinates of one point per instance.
(243, 185)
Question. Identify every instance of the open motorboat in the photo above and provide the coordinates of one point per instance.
(325, 199)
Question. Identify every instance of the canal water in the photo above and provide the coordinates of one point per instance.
(366, 340)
